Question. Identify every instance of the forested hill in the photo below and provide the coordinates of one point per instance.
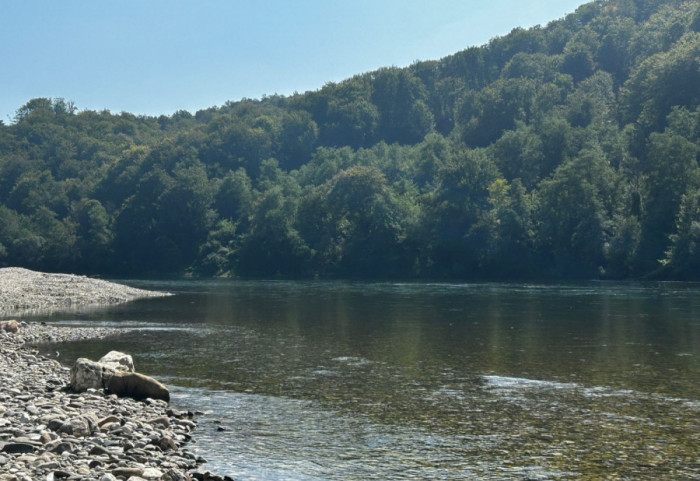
(566, 151)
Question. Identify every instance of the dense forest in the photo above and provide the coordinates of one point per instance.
(561, 152)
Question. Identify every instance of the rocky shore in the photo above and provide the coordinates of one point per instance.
(24, 290)
(48, 432)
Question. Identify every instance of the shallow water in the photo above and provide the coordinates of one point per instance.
(339, 381)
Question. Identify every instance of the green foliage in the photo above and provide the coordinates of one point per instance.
(566, 151)
(574, 205)
(683, 255)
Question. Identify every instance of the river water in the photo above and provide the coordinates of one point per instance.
(390, 381)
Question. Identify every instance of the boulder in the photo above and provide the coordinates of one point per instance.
(9, 326)
(137, 386)
(86, 374)
(118, 361)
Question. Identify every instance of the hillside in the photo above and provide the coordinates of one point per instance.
(560, 152)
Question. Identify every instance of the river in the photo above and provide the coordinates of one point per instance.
(411, 381)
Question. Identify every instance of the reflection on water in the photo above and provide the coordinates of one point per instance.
(330, 381)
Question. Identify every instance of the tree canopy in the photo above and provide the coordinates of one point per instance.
(566, 151)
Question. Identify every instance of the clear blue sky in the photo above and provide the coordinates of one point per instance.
(157, 56)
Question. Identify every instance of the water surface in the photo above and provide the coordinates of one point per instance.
(358, 381)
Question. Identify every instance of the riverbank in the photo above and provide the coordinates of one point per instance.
(25, 290)
(48, 432)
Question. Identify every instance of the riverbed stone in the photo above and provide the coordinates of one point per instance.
(86, 374)
(118, 361)
(127, 472)
(11, 326)
(151, 473)
(15, 448)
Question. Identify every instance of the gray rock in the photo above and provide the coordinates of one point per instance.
(118, 361)
(127, 472)
(15, 448)
(99, 451)
(161, 422)
(151, 473)
(9, 326)
(167, 444)
(86, 374)
(174, 475)
(78, 427)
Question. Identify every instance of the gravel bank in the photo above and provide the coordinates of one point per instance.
(23, 290)
(49, 433)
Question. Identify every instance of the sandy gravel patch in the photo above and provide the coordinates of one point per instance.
(23, 289)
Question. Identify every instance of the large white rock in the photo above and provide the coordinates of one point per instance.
(86, 374)
(118, 361)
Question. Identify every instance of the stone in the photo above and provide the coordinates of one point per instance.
(167, 444)
(118, 361)
(99, 451)
(55, 424)
(174, 475)
(9, 326)
(161, 422)
(127, 472)
(108, 420)
(25, 458)
(60, 447)
(15, 448)
(137, 386)
(78, 427)
(61, 474)
(151, 473)
(208, 476)
(86, 374)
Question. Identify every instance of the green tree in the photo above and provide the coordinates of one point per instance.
(683, 255)
(671, 171)
(451, 212)
(401, 99)
(94, 235)
(575, 206)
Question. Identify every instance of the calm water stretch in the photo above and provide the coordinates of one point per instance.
(362, 381)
